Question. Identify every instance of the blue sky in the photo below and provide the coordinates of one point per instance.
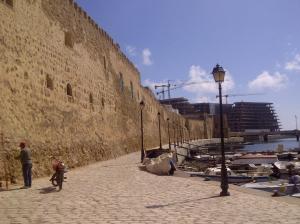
(257, 42)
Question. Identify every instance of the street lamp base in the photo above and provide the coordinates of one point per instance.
(224, 193)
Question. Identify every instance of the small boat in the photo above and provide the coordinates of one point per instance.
(286, 156)
(255, 159)
(161, 165)
(282, 166)
(203, 157)
(278, 185)
(296, 195)
(215, 174)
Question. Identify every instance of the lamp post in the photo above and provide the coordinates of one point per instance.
(180, 132)
(142, 105)
(159, 132)
(219, 75)
(168, 120)
(174, 134)
(177, 134)
(175, 139)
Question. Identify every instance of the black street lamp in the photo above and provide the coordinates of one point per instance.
(183, 133)
(142, 105)
(219, 75)
(168, 120)
(159, 132)
(174, 134)
(180, 132)
(175, 139)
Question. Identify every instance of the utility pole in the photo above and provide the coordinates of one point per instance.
(163, 86)
(226, 98)
(163, 89)
(297, 135)
(169, 92)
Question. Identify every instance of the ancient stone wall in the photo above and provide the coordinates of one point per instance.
(69, 91)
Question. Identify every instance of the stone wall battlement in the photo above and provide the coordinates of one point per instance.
(68, 90)
(103, 33)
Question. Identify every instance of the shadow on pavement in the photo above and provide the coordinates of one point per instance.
(47, 190)
(142, 168)
(180, 202)
(14, 189)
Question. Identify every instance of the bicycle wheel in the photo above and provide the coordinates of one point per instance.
(54, 180)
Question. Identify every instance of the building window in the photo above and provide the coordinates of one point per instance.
(131, 89)
(121, 82)
(69, 90)
(69, 40)
(91, 98)
(49, 82)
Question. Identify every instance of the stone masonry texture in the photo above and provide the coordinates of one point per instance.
(68, 91)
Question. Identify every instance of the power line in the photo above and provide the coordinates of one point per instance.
(175, 87)
(242, 94)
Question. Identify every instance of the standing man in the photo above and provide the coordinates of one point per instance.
(25, 156)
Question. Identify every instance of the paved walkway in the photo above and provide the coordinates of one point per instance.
(116, 191)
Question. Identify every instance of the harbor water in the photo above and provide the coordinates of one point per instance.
(272, 145)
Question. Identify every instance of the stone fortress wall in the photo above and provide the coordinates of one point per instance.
(69, 91)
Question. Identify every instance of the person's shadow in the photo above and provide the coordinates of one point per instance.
(47, 190)
(14, 189)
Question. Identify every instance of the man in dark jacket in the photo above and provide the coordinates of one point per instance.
(25, 157)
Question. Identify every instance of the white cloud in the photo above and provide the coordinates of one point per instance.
(202, 99)
(131, 50)
(293, 65)
(202, 82)
(146, 57)
(266, 80)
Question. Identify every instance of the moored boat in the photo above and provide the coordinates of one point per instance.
(215, 174)
(278, 185)
(283, 166)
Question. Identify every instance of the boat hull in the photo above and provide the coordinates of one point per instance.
(231, 179)
(272, 186)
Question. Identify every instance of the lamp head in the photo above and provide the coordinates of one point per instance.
(218, 73)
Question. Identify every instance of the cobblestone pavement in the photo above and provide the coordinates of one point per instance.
(116, 191)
